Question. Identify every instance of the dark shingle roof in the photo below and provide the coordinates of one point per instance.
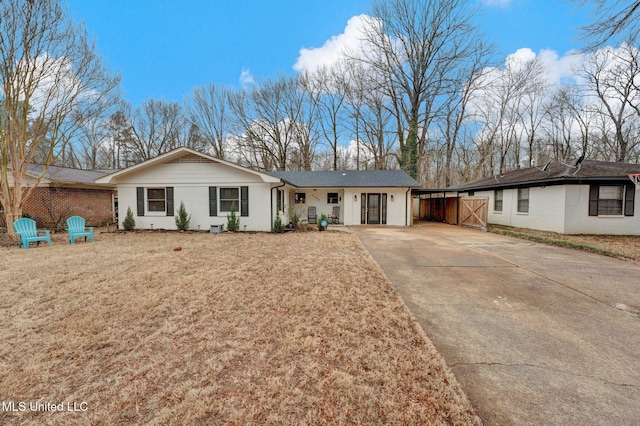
(67, 175)
(348, 179)
(555, 174)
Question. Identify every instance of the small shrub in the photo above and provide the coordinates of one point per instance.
(183, 219)
(320, 219)
(278, 226)
(295, 221)
(233, 221)
(129, 222)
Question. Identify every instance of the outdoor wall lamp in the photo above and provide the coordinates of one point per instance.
(355, 198)
(391, 197)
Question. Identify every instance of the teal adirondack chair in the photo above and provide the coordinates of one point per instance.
(26, 229)
(76, 228)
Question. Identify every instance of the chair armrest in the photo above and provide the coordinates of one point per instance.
(46, 231)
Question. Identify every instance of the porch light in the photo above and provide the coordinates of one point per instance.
(391, 197)
(355, 198)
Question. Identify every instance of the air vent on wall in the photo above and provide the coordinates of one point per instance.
(190, 158)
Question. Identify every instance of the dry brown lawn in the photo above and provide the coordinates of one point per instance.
(623, 246)
(301, 328)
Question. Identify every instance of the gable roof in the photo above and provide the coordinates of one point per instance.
(555, 174)
(348, 179)
(185, 153)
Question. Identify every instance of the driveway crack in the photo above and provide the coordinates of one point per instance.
(586, 376)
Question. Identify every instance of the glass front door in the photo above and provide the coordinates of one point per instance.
(373, 209)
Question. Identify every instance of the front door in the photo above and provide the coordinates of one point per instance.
(373, 209)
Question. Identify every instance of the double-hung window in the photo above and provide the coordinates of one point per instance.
(222, 198)
(156, 200)
(332, 198)
(497, 200)
(229, 197)
(611, 200)
(523, 200)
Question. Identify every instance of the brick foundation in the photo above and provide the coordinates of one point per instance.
(50, 206)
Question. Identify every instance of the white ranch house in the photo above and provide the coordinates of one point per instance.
(209, 186)
(582, 197)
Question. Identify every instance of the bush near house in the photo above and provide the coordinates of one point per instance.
(129, 222)
(278, 226)
(183, 219)
(233, 221)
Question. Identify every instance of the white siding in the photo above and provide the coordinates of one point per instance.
(399, 212)
(546, 208)
(191, 182)
(190, 173)
(196, 202)
(578, 220)
(562, 209)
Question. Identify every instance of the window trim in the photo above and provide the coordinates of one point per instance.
(221, 208)
(520, 199)
(149, 200)
(626, 205)
(496, 200)
(299, 198)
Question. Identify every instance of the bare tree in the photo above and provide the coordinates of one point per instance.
(499, 139)
(156, 127)
(416, 47)
(610, 85)
(456, 117)
(277, 122)
(49, 75)
(209, 110)
(326, 89)
(614, 19)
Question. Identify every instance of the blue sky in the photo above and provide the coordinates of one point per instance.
(163, 49)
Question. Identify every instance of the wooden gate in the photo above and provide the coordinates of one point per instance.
(474, 212)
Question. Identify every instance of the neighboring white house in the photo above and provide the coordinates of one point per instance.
(583, 197)
(209, 186)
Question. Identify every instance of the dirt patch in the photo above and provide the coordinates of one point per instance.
(300, 328)
(623, 246)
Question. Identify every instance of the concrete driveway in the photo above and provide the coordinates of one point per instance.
(535, 334)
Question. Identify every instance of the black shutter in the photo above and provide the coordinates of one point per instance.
(629, 200)
(169, 195)
(140, 200)
(244, 201)
(594, 192)
(363, 209)
(213, 201)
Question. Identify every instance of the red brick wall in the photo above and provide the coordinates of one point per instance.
(50, 207)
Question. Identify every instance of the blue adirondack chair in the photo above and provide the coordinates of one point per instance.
(26, 229)
(76, 228)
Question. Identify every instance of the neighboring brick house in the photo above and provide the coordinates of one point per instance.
(64, 192)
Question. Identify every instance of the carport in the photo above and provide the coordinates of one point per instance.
(451, 207)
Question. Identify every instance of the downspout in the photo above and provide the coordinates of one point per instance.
(275, 187)
(406, 201)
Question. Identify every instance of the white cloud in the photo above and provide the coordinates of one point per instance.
(246, 78)
(351, 41)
